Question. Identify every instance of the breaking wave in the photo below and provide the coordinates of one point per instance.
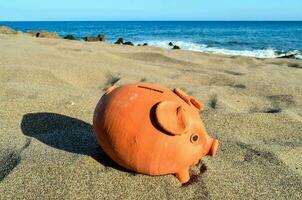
(258, 53)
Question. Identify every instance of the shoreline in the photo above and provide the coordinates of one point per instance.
(176, 44)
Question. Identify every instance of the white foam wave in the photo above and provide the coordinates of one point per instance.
(265, 53)
(299, 57)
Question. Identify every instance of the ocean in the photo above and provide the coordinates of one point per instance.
(257, 39)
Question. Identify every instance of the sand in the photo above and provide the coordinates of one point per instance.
(49, 89)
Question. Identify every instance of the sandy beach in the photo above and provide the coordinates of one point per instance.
(49, 88)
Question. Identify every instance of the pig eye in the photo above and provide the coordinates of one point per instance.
(194, 138)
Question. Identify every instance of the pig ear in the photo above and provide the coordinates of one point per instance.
(197, 104)
(171, 117)
(188, 99)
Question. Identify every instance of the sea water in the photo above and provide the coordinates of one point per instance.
(257, 39)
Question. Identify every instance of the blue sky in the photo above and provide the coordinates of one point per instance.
(24, 10)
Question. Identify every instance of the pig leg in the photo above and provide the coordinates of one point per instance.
(197, 162)
(183, 175)
(110, 89)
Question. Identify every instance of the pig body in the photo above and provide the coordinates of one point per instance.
(152, 130)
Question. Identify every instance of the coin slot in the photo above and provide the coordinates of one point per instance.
(149, 88)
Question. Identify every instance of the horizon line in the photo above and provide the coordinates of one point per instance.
(151, 20)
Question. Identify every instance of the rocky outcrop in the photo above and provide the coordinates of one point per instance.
(40, 34)
(69, 37)
(145, 44)
(7, 30)
(119, 41)
(43, 34)
(176, 47)
(289, 56)
(128, 43)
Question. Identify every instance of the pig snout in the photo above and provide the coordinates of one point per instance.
(210, 147)
(213, 147)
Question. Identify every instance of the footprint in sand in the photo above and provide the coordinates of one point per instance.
(233, 73)
(282, 100)
(213, 102)
(278, 104)
(294, 65)
(239, 86)
(111, 80)
(11, 160)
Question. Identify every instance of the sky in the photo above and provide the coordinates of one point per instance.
(107, 10)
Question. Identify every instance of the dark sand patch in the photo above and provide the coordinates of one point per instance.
(158, 58)
(8, 163)
(76, 50)
(270, 110)
(233, 73)
(143, 80)
(11, 160)
(294, 65)
(239, 86)
(282, 100)
(111, 80)
(213, 102)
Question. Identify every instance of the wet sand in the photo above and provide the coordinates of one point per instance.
(49, 89)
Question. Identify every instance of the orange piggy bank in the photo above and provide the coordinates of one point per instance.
(152, 130)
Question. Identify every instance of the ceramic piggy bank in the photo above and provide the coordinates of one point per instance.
(152, 130)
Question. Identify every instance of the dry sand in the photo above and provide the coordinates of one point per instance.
(49, 88)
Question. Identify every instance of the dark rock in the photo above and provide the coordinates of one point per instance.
(176, 47)
(145, 44)
(101, 37)
(128, 43)
(171, 44)
(290, 56)
(139, 45)
(69, 37)
(119, 41)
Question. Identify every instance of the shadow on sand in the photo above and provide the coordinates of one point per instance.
(66, 133)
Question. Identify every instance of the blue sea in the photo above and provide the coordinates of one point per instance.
(257, 39)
